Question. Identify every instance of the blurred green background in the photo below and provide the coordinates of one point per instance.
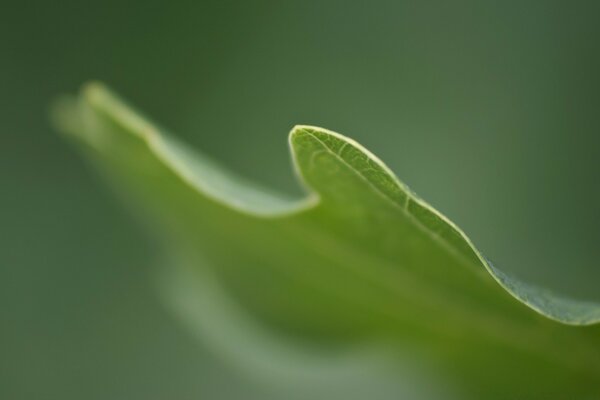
(489, 110)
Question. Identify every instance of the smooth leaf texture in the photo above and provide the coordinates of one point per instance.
(361, 259)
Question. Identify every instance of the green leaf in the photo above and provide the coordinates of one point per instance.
(361, 259)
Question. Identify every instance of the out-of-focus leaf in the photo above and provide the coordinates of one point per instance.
(361, 259)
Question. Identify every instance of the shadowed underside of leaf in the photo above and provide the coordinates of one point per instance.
(360, 258)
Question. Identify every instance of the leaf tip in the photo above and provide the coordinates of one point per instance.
(297, 138)
(93, 91)
(296, 132)
(307, 135)
(67, 111)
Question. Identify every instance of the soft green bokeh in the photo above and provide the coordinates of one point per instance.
(487, 109)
